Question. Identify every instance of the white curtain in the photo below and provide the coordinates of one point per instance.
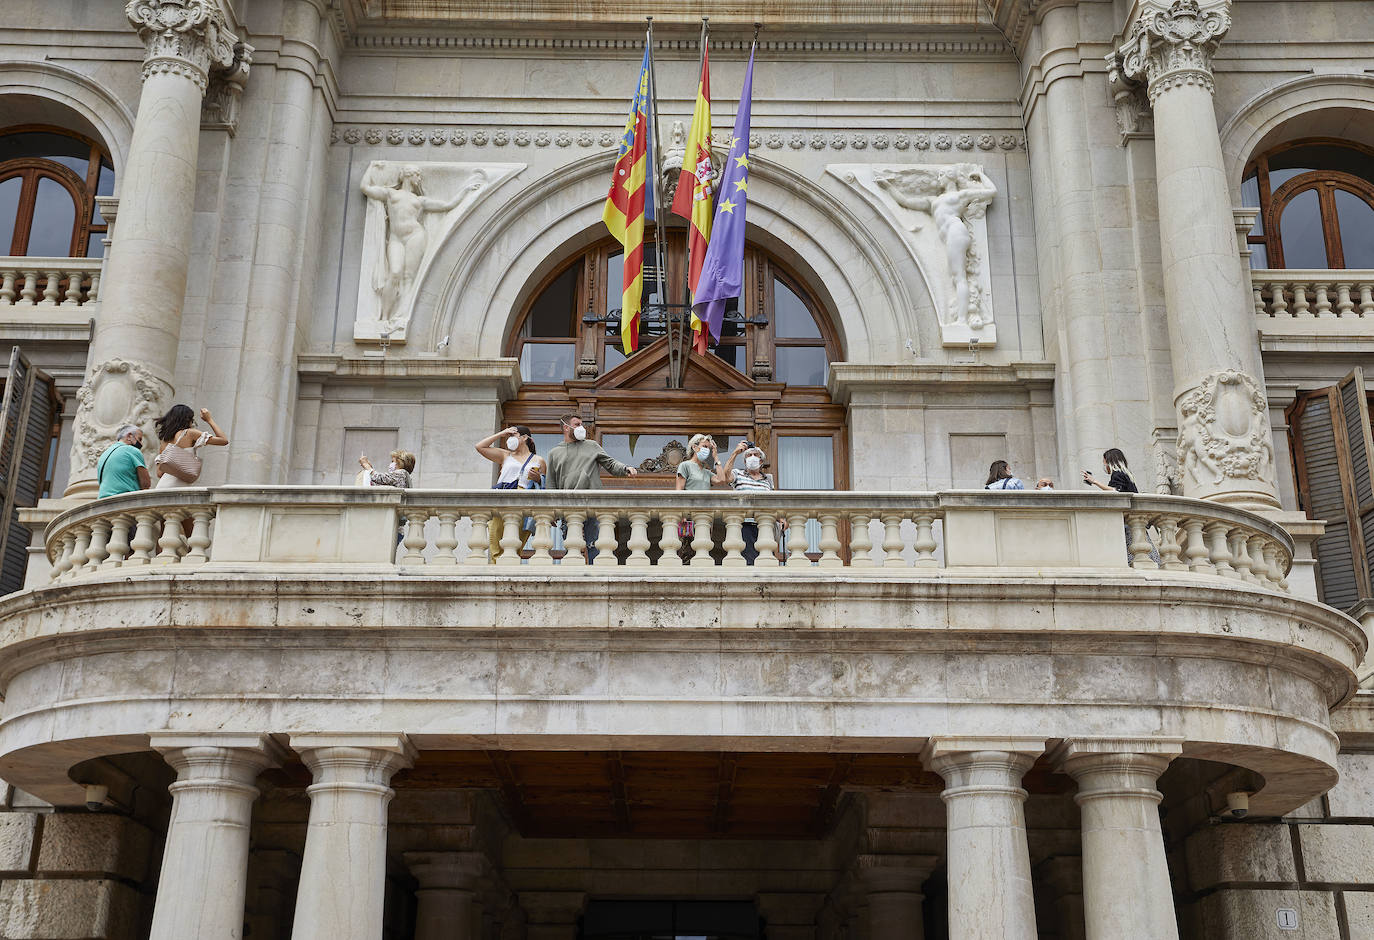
(807, 463)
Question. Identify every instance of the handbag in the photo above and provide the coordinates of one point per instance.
(183, 459)
(527, 524)
(515, 484)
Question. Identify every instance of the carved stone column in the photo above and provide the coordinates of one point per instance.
(446, 907)
(988, 860)
(893, 885)
(1126, 889)
(343, 872)
(133, 354)
(200, 892)
(1225, 444)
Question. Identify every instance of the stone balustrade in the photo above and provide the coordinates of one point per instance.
(49, 282)
(1294, 293)
(911, 534)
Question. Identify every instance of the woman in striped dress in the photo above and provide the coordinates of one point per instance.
(751, 477)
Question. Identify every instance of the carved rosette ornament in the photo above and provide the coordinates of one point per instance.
(1171, 44)
(186, 38)
(1224, 441)
(119, 392)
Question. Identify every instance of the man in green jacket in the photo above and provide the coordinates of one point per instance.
(576, 464)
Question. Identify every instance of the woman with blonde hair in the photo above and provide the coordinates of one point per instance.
(397, 474)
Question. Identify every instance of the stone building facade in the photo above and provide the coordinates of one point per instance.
(276, 704)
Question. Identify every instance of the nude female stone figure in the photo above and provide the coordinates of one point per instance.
(947, 203)
(405, 206)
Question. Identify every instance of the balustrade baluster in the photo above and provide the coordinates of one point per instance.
(669, 543)
(925, 541)
(446, 542)
(1259, 568)
(1323, 302)
(575, 541)
(1140, 542)
(144, 538)
(1278, 302)
(83, 542)
(1367, 300)
(73, 298)
(51, 288)
(172, 539)
(478, 539)
(892, 541)
(1170, 547)
(511, 539)
(96, 552)
(1272, 563)
(796, 541)
(860, 544)
(1301, 308)
(1345, 307)
(63, 561)
(1240, 553)
(605, 538)
(198, 544)
(7, 288)
(734, 541)
(29, 294)
(1220, 554)
(830, 542)
(767, 542)
(1198, 555)
(1258, 290)
(414, 540)
(542, 540)
(638, 542)
(93, 294)
(701, 540)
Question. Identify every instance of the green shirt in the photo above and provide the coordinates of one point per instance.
(577, 465)
(697, 476)
(117, 469)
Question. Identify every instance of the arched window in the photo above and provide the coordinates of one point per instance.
(49, 179)
(765, 379)
(1316, 200)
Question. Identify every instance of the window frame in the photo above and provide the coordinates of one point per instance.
(82, 190)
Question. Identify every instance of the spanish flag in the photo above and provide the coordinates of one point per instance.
(630, 202)
(695, 196)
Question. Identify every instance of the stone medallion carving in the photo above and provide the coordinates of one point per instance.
(1224, 439)
(118, 392)
(674, 452)
(411, 209)
(940, 213)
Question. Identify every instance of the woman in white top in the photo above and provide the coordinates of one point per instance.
(521, 468)
(751, 477)
(178, 461)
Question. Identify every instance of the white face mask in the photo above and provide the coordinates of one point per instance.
(391, 466)
(703, 454)
(752, 463)
(512, 442)
(580, 433)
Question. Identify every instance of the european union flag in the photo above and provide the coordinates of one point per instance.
(722, 273)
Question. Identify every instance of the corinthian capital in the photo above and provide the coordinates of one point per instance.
(1171, 44)
(185, 37)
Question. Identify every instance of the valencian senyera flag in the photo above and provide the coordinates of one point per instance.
(630, 202)
(696, 189)
(722, 272)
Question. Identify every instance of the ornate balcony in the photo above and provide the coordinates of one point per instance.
(65, 283)
(1312, 307)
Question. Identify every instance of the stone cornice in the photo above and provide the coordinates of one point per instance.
(777, 48)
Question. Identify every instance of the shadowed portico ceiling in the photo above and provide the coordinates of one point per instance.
(774, 13)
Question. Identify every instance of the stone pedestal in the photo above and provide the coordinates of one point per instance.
(1126, 888)
(1225, 444)
(446, 900)
(343, 871)
(200, 892)
(988, 860)
(133, 352)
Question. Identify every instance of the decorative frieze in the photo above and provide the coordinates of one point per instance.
(187, 38)
(1171, 44)
(774, 48)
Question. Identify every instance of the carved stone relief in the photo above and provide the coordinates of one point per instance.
(411, 208)
(1224, 435)
(118, 392)
(940, 212)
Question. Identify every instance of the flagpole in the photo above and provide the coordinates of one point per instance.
(660, 241)
(687, 242)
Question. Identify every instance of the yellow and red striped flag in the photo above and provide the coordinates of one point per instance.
(694, 198)
(630, 202)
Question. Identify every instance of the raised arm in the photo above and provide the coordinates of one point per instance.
(723, 469)
(474, 185)
(488, 449)
(217, 437)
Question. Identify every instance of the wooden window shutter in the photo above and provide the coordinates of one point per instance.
(26, 421)
(1335, 463)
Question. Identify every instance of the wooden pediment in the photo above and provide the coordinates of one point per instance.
(647, 370)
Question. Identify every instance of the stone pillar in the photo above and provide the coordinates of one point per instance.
(343, 872)
(893, 885)
(133, 354)
(446, 907)
(988, 860)
(200, 892)
(1126, 888)
(552, 915)
(1225, 444)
